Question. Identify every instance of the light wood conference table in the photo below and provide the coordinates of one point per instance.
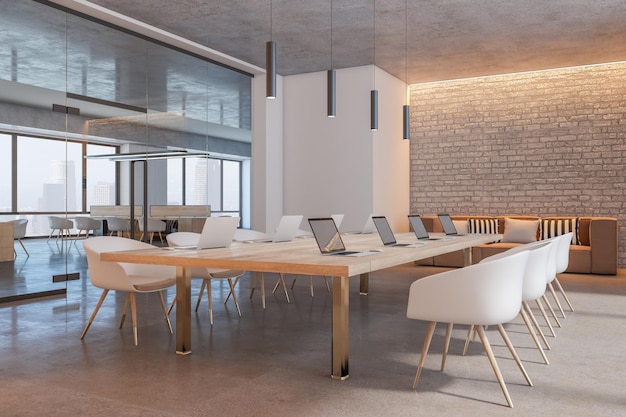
(300, 256)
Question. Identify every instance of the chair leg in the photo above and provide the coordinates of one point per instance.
(468, 339)
(509, 345)
(167, 317)
(556, 299)
(533, 335)
(93, 315)
(281, 281)
(254, 279)
(232, 291)
(494, 364)
(327, 285)
(23, 247)
(209, 296)
(529, 313)
(125, 309)
(427, 340)
(446, 345)
(133, 314)
(171, 307)
(202, 288)
(558, 287)
(545, 317)
(556, 319)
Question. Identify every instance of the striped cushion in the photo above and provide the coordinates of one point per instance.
(483, 225)
(556, 227)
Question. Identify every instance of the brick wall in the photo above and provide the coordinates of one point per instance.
(548, 143)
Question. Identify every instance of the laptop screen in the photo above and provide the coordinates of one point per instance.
(326, 234)
(218, 232)
(446, 223)
(385, 232)
(418, 226)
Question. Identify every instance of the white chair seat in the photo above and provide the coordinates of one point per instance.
(131, 278)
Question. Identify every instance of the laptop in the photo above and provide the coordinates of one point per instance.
(419, 229)
(217, 232)
(328, 238)
(448, 225)
(285, 231)
(368, 227)
(385, 232)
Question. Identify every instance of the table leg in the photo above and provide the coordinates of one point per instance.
(340, 328)
(183, 311)
(364, 289)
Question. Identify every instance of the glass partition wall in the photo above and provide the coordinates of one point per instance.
(72, 87)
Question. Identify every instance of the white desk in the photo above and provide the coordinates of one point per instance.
(301, 256)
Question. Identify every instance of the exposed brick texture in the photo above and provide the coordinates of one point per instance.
(549, 143)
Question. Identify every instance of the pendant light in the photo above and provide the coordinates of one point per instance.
(374, 92)
(406, 134)
(270, 62)
(331, 76)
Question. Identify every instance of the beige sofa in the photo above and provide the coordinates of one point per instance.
(595, 253)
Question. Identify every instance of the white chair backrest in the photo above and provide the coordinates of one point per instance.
(482, 294)
(19, 228)
(154, 225)
(118, 224)
(87, 223)
(114, 275)
(242, 235)
(56, 222)
(182, 239)
(537, 268)
(562, 255)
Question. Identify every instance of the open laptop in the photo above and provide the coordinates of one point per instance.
(217, 232)
(285, 231)
(385, 232)
(448, 225)
(369, 226)
(329, 240)
(417, 224)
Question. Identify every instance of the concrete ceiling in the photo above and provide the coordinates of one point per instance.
(445, 39)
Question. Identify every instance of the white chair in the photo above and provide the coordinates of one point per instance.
(154, 226)
(119, 226)
(61, 225)
(19, 232)
(534, 286)
(131, 278)
(562, 262)
(483, 294)
(86, 224)
(206, 274)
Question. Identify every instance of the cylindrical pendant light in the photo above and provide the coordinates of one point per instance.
(374, 92)
(270, 59)
(374, 110)
(406, 134)
(331, 95)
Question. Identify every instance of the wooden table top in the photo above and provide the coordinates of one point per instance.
(302, 256)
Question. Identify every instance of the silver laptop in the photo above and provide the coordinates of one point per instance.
(385, 232)
(217, 232)
(285, 231)
(329, 240)
(369, 227)
(419, 229)
(448, 225)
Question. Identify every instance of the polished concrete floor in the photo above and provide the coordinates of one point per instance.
(276, 362)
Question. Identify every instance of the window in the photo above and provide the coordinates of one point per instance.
(5, 173)
(100, 177)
